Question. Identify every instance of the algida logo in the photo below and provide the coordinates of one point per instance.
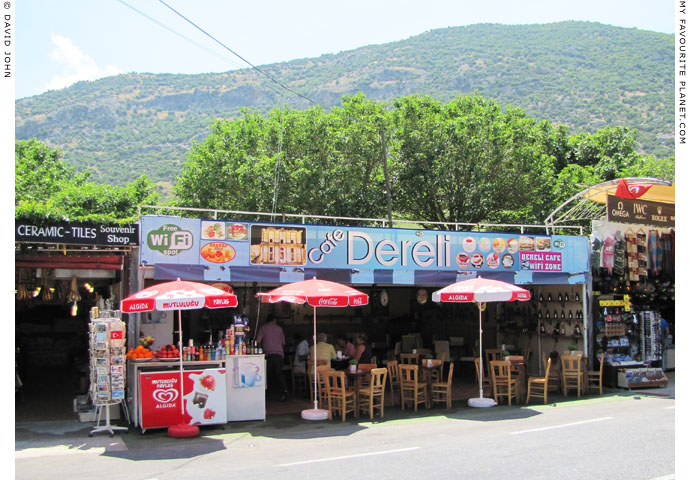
(169, 240)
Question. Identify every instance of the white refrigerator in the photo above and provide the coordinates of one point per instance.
(246, 387)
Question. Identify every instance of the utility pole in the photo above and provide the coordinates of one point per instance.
(388, 180)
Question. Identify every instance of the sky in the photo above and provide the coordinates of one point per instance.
(60, 43)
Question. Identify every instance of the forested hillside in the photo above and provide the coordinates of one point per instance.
(582, 75)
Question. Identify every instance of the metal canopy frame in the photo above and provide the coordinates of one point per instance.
(584, 206)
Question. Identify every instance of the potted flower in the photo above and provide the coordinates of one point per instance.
(353, 366)
(506, 355)
(571, 348)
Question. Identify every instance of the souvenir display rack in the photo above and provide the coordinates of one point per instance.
(107, 344)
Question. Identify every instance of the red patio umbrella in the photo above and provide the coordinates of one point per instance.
(317, 293)
(481, 290)
(178, 295)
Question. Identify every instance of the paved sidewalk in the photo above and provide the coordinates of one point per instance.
(68, 437)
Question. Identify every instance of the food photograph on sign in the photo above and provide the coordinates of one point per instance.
(278, 245)
(237, 231)
(218, 252)
(212, 230)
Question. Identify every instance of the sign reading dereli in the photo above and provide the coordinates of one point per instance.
(216, 244)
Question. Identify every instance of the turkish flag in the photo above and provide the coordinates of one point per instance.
(631, 192)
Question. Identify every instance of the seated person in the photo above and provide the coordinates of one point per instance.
(363, 351)
(324, 350)
(345, 346)
(301, 353)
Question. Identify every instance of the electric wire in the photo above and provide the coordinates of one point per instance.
(174, 32)
(240, 57)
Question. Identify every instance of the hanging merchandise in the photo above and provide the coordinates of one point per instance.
(631, 243)
(607, 254)
(654, 253)
(597, 246)
(619, 258)
(642, 254)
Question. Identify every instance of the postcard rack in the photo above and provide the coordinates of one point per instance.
(107, 344)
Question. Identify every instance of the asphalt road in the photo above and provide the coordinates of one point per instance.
(611, 437)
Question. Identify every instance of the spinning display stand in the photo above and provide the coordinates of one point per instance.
(107, 337)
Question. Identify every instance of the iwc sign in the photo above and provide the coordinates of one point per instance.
(640, 212)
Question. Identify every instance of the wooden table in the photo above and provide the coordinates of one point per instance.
(437, 366)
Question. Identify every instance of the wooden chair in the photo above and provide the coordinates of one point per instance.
(394, 379)
(487, 386)
(437, 373)
(375, 361)
(321, 383)
(527, 355)
(441, 392)
(372, 397)
(594, 377)
(493, 354)
(299, 378)
(365, 380)
(504, 384)
(538, 387)
(571, 374)
(341, 401)
(411, 391)
(409, 358)
(554, 374)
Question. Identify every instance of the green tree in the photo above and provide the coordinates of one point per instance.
(46, 189)
(469, 162)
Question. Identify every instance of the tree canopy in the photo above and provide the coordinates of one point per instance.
(465, 161)
(46, 189)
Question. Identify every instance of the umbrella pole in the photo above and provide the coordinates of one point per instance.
(481, 356)
(179, 343)
(316, 402)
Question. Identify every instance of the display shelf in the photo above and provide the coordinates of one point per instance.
(641, 377)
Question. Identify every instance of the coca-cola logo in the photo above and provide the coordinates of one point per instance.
(333, 302)
(165, 396)
(358, 301)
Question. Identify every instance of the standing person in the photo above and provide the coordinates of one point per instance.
(272, 340)
(324, 350)
(301, 353)
(363, 351)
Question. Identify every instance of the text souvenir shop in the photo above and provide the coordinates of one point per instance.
(397, 268)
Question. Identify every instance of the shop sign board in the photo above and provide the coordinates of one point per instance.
(77, 233)
(640, 212)
(218, 245)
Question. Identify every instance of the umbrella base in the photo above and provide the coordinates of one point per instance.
(315, 414)
(183, 431)
(481, 402)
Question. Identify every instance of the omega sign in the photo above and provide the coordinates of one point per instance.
(640, 212)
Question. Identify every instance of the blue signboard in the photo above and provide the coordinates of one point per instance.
(245, 251)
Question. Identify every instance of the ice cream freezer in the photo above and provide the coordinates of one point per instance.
(246, 387)
(161, 398)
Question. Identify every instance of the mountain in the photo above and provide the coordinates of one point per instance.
(580, 74)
